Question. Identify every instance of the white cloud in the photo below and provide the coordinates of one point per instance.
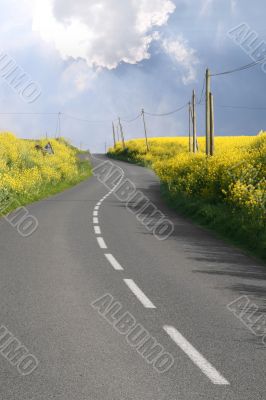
(102, 32)
(80, 75)
(179, 50)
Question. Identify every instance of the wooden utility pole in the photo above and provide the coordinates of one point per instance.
(117, 132)
(145, 130)
(194, 119)
(122, 134)
(59, 124)
(212, 148)
(208, 84)
(189, 126)
(114, 134)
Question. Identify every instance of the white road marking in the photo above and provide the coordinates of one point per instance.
(97, 230)
(139, 293)
(96, 208)
(95, 213)
(101, 243)
(196, 357)
(95, 220)
(115, 264)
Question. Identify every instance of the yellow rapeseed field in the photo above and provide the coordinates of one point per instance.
(235, 175)
(25, 171)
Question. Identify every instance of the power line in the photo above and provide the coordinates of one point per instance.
(100, 121)
(244, 67)
(131, 120)
(202, 92)
(241, 107)
(20, 113)
(169, 113)
(86, 120)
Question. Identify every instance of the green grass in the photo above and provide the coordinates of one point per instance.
(50, 189)
(128, 156)
(229, 223)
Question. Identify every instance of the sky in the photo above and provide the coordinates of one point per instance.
(96, 60)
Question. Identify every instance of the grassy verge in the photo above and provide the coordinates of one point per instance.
(50, 189)
(230, 224)
(128, 156)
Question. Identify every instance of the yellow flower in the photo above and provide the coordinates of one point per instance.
(235, 175)
(23, 169)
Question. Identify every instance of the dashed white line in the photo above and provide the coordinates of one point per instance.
(139, 293)
(101, 243)
(97, 230)
(196, 357)
(115, 264)
(199, 360)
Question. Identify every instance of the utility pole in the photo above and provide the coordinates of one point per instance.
(194, 119)
(145, 130)
(122, 134)
(59, 124)
(117, 132)
(208, 84)
(212, 148)
(189, 126)
(114, 135)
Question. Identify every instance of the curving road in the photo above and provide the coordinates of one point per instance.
(90, 263)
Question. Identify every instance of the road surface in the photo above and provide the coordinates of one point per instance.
(88, 246)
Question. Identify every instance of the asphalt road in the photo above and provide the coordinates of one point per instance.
(177, 289)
